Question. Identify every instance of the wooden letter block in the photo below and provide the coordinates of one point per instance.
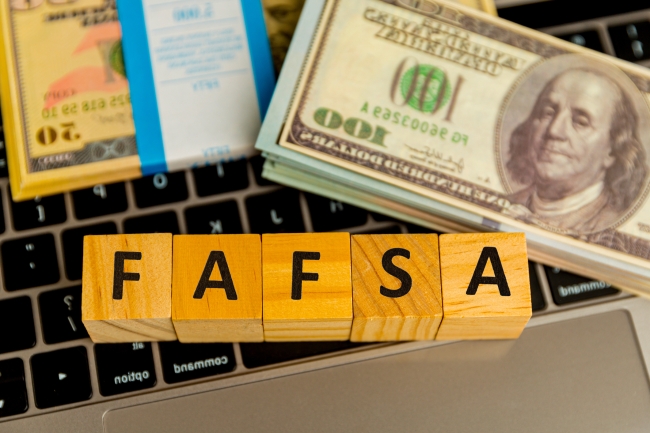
(485, 286)
(217, 288)
(127, 288)
(307, 286)
(395, 287)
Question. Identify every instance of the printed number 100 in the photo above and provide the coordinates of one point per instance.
(353, 126)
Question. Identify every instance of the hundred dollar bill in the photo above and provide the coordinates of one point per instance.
(485, 116)
(65, 97)
(282, 16)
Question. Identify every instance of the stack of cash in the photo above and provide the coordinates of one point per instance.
(457, 120)
(65, 98)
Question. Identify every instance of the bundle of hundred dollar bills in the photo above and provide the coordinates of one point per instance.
(456, 120)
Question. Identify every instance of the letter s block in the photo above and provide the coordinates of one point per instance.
(395, 287)
(126, 288)
(485, 286)
(217, 288)
(307, 289)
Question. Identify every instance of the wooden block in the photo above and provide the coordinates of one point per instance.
(127, 288)
(307, 287)
(217, 288)
(395, 287)
(485, 286)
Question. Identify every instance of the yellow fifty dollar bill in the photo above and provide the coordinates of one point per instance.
(65, 97)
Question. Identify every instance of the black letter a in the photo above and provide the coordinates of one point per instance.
(205, 282)
(499, 277)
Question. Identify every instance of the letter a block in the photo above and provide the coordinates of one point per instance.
(217, 288)
(485, 286)
(126, 288)
(395, 287)
(307, 287)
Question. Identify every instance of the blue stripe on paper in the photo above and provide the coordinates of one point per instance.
(260, 52)
(142, 88)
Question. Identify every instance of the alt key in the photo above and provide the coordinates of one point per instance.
(124, 367)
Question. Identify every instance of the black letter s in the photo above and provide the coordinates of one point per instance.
(400, 274)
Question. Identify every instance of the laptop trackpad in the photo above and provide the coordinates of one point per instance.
(580, 375)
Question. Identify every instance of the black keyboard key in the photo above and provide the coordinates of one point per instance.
(16, 325)
(221, 178)
(214, 218)
(416, 229)
(165, 222)
(29, 262)
(73, 242)
(257, 162)
(328, 215)
(61, 377)
(567, 287)
(61, 315)
(4, 169)
(161, 188)
(536, 297)
(2, 215)
(587, 39)
(260, 354)
(40, 212)
(381, 217)
(181, 362)
(124, 368)
(13, 393)
(390, 230)
(275, 212)
(631, 41)
(99, 200)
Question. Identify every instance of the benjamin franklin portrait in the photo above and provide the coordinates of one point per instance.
(577, 157)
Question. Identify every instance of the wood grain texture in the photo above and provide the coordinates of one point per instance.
(324, 311)
(486, 314)
(214, 317)
(413, 316)
(145, 310)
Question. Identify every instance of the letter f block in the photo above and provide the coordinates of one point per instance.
(485, 286)
(126, 288)
(307, 288)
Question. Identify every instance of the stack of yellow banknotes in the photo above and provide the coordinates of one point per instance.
(65, 98)
(435, 113)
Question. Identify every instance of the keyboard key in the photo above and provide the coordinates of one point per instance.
(220, 178)
(61, 377)
(40, 212)
(165, 222)
(161, 188)
(214, 218)
(631, 41)
(390, 230)
(257, 162)
(328, 215)
(587, 39)
(536, 296)
(2, 215)
(13, 393)
(275, 212)
(16, 325)
(181, 362)
(4, 170)
(61, 315)
(260, 354)
(29, 262)
(381, 217)
(567, 288)
(73, 242)
(413, 228)
(124, 367)
(99, 200)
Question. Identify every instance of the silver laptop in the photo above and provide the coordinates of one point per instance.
(580, 365)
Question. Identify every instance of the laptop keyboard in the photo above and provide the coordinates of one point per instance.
(46, 358)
